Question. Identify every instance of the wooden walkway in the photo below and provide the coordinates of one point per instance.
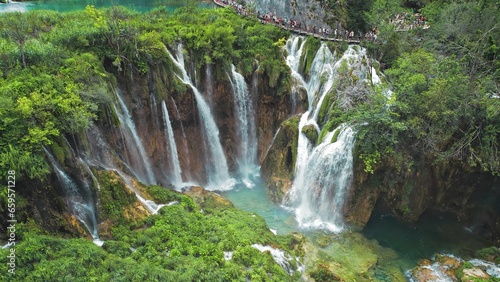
(299, 31)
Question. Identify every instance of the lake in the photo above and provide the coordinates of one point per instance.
(74, 5)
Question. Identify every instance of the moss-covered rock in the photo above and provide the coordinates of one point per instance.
(348, 257)
(208, 201)
(116, 205)
(311, 133)
(279, 163)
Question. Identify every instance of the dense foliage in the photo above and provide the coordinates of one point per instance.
(445, 101)
(181, 243)
(56, 68)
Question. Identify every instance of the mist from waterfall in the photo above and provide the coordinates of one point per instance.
(216, 163)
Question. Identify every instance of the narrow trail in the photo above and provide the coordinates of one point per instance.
(300, 31)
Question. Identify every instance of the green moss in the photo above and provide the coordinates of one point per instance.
(311, 133)
(323, 274)
(335, 136)
(58, 152)
(113, 197)
(310, 48)
(332, 124)
(489, 254)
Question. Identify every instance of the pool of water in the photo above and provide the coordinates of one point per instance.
(74, 5)
(433, 233)
(255, 199)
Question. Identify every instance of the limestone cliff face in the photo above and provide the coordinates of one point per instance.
(270, 111)
(409, 193)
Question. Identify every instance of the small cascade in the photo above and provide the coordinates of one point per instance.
(154, 110)
(209, 91)
(320, 189)
(176, 173)
(245, 125)
(137, 154)
(294, 53)
(216, 164)
(79, 198)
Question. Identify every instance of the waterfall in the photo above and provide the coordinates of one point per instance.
(322, 186)
(184, 139)
(154, 110)
(209, 85)
(79, 198)
(176, 173)
(216, 164)
(323, 172)
(294, 53)
(245, 125)
(142, 169)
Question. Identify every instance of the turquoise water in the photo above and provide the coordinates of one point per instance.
(74, 5)
(255, 200)
(433, 233)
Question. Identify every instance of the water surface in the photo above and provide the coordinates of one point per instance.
(75, 5)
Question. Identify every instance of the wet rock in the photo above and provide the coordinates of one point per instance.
(472, 274)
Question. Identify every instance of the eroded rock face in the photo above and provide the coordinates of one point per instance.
(410, 192)
(278, 166)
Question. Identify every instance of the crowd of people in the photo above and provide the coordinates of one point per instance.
(406, 21)
(296, 25)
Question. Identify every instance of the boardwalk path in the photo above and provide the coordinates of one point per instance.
(301, 31)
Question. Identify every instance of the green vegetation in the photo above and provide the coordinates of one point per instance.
(445, 79)
(179, 244)
(56, 68)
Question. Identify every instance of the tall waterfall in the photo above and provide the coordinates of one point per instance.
(245, 125)
(142, 168)
(216, 164)
(79, 198)
(176, 173)
(323, 172)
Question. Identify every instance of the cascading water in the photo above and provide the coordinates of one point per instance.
(294, 53)
(323, 173)
(323, 184)
(184, 140)
(209, 85)
(142, 168)
(79, 198)
(176, 173)
(216, 165)
(245, 125)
